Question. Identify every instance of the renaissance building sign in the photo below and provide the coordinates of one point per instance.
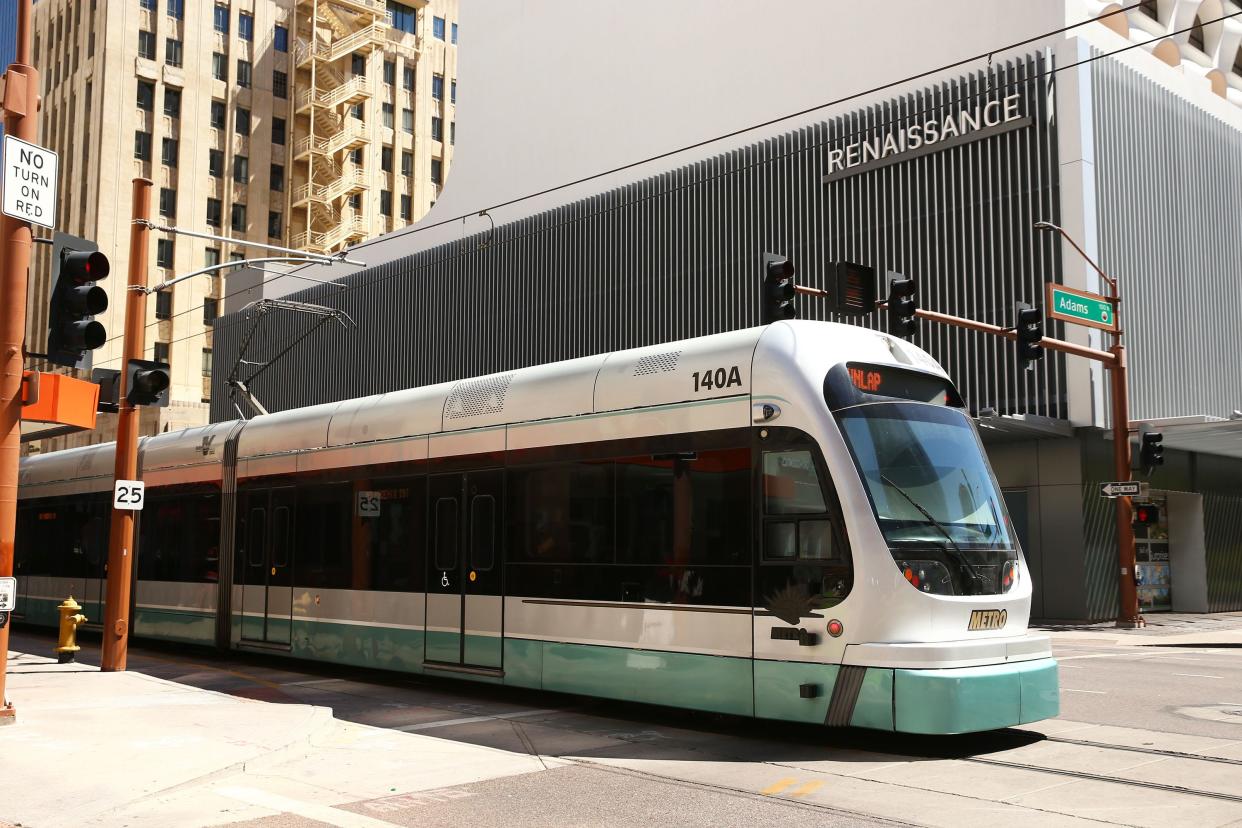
(983, 120)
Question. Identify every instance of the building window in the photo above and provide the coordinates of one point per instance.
(236, 257)
(452, 132)
(220, 66)
(163, 302)
(407, 120)
(245, 26)
(407, 77)
(164, 258)
(243, 73)
(214, 212)
(358, 65)
(215, 163)
(210, 311)
(407, 164)
(170, 151)
(242, 124)
(217, 115)
(1150, 8)
(405, 207)
(454, 34)
(403, 17)
(386, 113)
(149, 5)
(281, 39)
(355, 202)
(386, 159)
(1237, 62)
(437, 87)
(172, 102)
(390, 72)
(273, 224)
(206, 357)
(142, 145)
(437, 28)
(146, 45)
(1196, 34)
(241, 169)
(278, 178)
(211, 257)
(161, 352)
(278, 131)
(437, 129)
(355, 156)
(356, 112)
(385, 202)
(172, 51)
(453, 92)
(176, 9)
(146, 95)
(280, 84)
(239, 218)
(168, 202)
(437, 170)
(222, 19)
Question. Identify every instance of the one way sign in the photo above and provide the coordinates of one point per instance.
(1126, 488)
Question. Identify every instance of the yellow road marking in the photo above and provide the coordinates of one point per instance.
(808, 788)
(778, 786)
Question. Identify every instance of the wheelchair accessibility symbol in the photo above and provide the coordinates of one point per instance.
(444, 581)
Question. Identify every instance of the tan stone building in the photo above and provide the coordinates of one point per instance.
(312, 124)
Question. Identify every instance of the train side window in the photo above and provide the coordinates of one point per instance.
(280, 536)
(254, 537)
(781, 540)
(790, 484)
(391, 544)
(482, 532)
(446, 534)
(561, 513)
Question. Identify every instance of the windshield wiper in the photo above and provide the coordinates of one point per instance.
(959, 555)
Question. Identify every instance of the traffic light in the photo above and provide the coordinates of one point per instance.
(778, 289)
(1146, 514)
(71, 332)
(109, 382)
(853, 289)
(146, 382)
(902, 306)
(1030, 325)
(1151, 452)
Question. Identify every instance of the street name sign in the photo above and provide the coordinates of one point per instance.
(29, 182)
(1124, 488)
(129, 494)
(1080, 307)
(8, 594)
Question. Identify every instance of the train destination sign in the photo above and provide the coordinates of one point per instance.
(1080, 307)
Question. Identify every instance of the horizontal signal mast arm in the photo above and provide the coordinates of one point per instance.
(1047, 342)
(810, 291)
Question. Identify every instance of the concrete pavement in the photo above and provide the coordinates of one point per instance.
(1166, 629)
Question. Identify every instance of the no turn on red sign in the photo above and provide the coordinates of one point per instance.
(30, 182)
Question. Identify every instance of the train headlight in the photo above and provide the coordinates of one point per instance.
(1009, 575)
(927, 576)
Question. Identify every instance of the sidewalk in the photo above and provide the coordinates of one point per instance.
(93, 748)
(1166, 629)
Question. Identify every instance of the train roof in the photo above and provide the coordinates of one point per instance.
(635, 378)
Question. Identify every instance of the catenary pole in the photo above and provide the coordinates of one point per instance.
(121, 537)
(21, 106)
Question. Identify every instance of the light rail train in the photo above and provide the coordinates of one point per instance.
(791, 522)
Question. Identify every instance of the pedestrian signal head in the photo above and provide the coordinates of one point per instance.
(1146, 514)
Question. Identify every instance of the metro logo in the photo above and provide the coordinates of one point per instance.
(988, 619)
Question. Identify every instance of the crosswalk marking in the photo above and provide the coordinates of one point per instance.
(778, 786)
(808, 788)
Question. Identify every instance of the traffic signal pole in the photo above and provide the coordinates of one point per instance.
(21, 106)
(121, 537)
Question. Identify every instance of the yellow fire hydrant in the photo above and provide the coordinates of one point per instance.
(70, 618)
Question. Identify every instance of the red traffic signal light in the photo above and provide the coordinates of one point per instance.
(76, 266)
(1146, 514)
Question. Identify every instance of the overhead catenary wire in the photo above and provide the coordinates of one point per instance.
(705, 142)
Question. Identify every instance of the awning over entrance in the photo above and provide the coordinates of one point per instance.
(1201, 434)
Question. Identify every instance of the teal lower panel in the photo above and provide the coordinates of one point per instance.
(524, 663)
(700, 682)
(41, 612)
(188, 626)
(1041, 691)
(874, 707)
(444, 646)
(483, 650)
(969, 699)
(778, 690)
(383, 648)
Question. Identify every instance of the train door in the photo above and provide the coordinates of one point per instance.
(265, 564)
(465, 605)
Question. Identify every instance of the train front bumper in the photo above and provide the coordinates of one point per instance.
(955, 687)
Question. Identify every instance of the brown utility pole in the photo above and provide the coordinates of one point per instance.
(121, 538)
(21, 106)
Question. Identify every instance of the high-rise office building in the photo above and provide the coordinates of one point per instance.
(312, 124)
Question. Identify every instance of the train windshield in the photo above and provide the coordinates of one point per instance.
(933, 495)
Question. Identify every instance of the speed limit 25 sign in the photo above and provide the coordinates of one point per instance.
(129, 494)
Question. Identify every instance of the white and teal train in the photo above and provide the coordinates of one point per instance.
(790, 522)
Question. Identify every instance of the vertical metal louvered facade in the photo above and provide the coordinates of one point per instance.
(679, 255)
(1169, 201)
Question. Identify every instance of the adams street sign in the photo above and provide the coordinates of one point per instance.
(1080, 307)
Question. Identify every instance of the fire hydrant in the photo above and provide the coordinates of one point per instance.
(70, 618)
